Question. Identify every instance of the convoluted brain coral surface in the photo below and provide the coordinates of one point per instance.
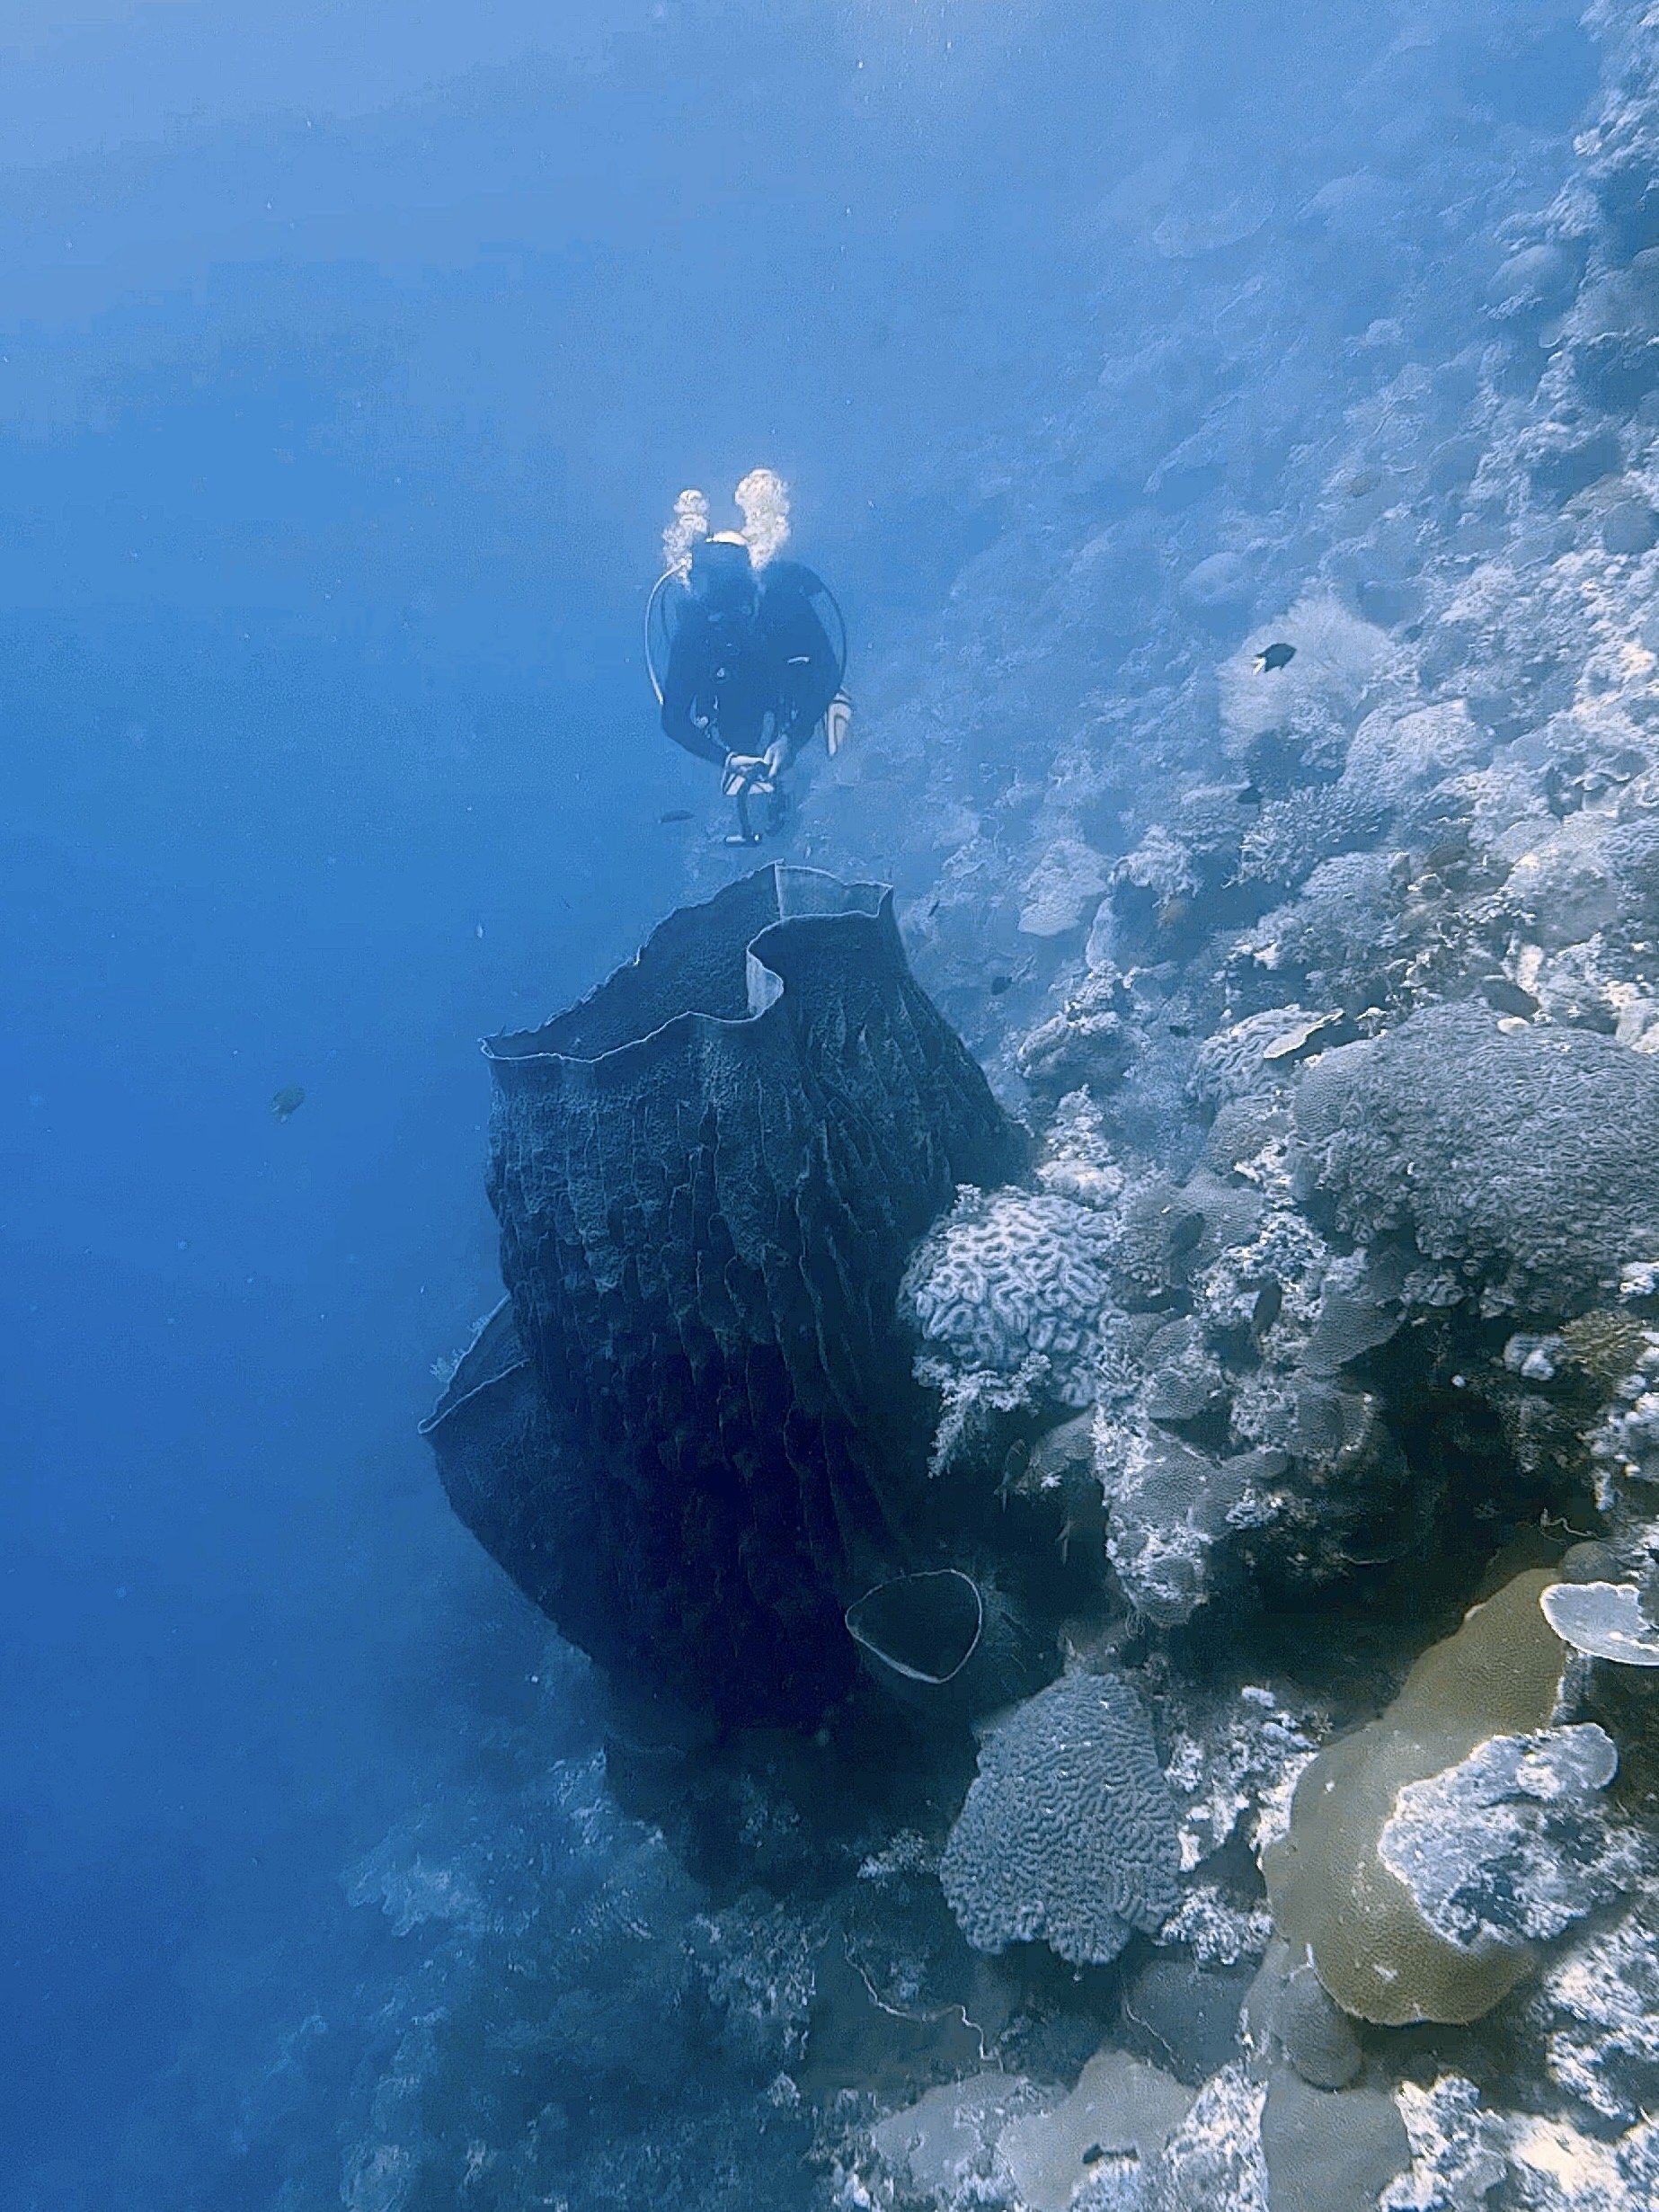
(1010, 1274)
(1069, 1832)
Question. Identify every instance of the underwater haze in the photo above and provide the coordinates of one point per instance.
(1232, 437)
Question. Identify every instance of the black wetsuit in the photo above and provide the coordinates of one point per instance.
(771, 664)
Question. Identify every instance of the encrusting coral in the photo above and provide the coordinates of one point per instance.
(1525, 1159)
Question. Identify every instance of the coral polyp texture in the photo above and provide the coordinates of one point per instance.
(709, 1177)
(1068, 1835)
(1522, 1157)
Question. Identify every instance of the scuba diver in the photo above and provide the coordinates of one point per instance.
(753, 667)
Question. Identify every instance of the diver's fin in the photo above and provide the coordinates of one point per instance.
(837, 722)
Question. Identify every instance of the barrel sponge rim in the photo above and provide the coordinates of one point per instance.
(477, 1370)
(788, 897)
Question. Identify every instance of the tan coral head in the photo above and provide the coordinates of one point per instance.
(1499, 1674)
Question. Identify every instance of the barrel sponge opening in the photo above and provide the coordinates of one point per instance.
(1069, 1831)
(1500, 1674)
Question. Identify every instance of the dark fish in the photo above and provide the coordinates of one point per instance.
(1249, 796)
(1186, 1233)
(1269, 1303)
(1274, 657)
(998, 984)
(677, 814)
(1506, 997)
(286, 1102)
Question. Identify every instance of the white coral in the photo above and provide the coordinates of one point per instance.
(1012, 1276)
(1341, 665)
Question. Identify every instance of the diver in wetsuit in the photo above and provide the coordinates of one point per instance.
(752, 672)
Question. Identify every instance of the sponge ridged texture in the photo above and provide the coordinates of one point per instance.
(709, 1177)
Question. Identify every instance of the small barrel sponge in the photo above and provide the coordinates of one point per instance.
(1068, 1835)
(1009, 1274)
(1527, 1158)
(1327, 1882)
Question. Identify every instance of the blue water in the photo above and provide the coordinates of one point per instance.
(351, 352)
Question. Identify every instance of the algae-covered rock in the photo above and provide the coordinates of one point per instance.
(1510, 1846)
(1604, 1619)
(1121, 2114)
(1499, 1674)
(1329, 2151)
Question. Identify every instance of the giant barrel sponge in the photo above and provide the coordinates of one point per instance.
(709, 1177)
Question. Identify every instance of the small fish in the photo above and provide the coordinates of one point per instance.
(1171, 912)
(1187, 1234)
(999, 983)
(1249, 796)
(1269, 1304)
(1506, 997)
(1364, 481)
(286, 1102)
(1274, 657)
(677, 814)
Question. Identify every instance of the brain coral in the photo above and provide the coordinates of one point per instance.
(1526, 1158)
(1328, 1883)
(1010, 1275)
(1069, 1831)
